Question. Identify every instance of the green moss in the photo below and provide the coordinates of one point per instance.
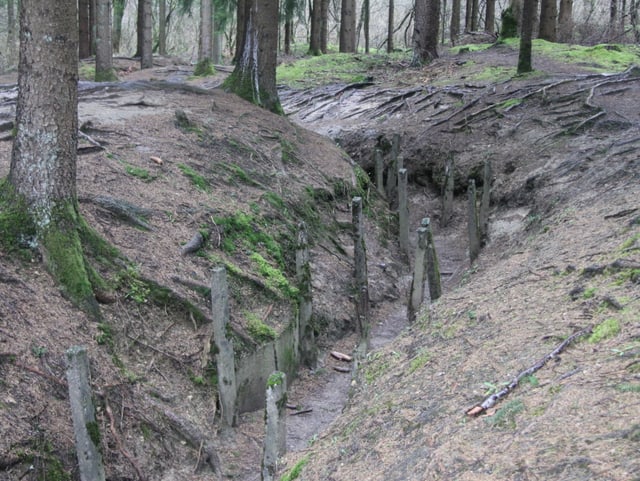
(275, 379)
(94, 432)
(241, 174)
(509, 103)
(505, 417)
(288, 152)
(589, 292)
(419, 361)
(628, 387)
(273, 276)
(138, 172)
(108, 75)
(87, 72)
(135, 288)
(605, 330)
(509, 24)
(204, 68)
(296, 470)
(258, 330)
(196, 179)
(53, 470)
(17, 229)
(240, 82)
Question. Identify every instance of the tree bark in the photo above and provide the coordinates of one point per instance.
(348, 26)
(324, 30)
(565, 22)
(390, 26)
(162, 27)
(104, 52)
(43, 161)
(548, 18)
(366, 11)
(454, 27)
(84, 28)
(11, 34)
(425, 33)
(316, 28)
(146, 54)
(524, 57)
(254, 77)
(490, 16)
(205, 44)
(242, 13)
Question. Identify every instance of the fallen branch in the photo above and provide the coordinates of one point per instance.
(302, 411)
(341, 369)
(114, 433)
(340, 356)
(196, 242)
(494, 398)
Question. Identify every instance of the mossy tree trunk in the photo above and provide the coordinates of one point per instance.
(254, 76)
(425, 31)
(43, 162)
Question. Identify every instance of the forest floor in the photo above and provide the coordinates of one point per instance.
(562, 255)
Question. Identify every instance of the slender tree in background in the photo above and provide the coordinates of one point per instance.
(11, 34)
(104, 52)
(390, 27)
(146, 35)
(84, 16)
(524, 57)
(348, 26)
(162, 27)
(490, 16)
(425, 31)
(565, 21)
(454, 27)
(242, 13)
(316, 27)
(366, 12)
(548, 20)
(254, 76)
(324, 30)
(118, 15)
(42, 176)
(205, 45)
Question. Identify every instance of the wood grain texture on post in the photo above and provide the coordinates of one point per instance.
(306, 338)
(419, 275)
(379, 171)
(275, 434)
(85, 427)
(225, 359)
(360, 270)
(447, 196)
(472, 227)
(432, 264)
(403, 213)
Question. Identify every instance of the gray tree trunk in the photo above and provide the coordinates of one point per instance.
(205, 44)
(118, 15)
(454, 27)
(490, 16)
(316, 28)
(254, 77)
(548, 20)
(12, 40)
(162, 27)
(416, 296)
(348, 26)
(84, 8)
(390, 27)
(324, 31)
(104, 52)
(524, 56)
(146, 57)
(425, 32)
(275, 425)
(565, 21)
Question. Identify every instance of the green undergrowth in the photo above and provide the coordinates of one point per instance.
(198, 180)
(258, 330)
(296, 470)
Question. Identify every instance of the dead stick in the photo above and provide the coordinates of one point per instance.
(303, 411)
(494, 398)
(112, 428)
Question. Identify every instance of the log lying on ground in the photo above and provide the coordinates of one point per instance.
(494, 398)
(123, 210)
(340, 356)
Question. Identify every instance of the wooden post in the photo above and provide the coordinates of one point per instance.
(419, 276)
(403, 213)
(432, 265)
(361, 282)
(474, 237)
(307, 345)
(85, 427)
(486, 200)
(275, 425)
(379, 169)
(447, 197)
(225, 359)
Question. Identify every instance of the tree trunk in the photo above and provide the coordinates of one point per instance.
(43, 161)
(454, 27)
(146, 54)
(104, 52)
(474, 15)
(348, 26)
(324, 30)
(565, 22)
(490, 16)
(205, 44)
(390, 27)
(366, 11)
(425, 32)
(162, 27)
(467, 15)
(118, 14)
(548, 16)
(11, 34)
(139, 28)
(84, 28)
(524, 57)
(316, 28)
(254, 77)
(242, 12)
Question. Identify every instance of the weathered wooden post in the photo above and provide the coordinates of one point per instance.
(447, 196)
(486, 200)
(361, 282)
(403, 213)
(419, 275)
(474, 233)
(307, 345)
(85, 427)
(225, 359)
(432, 265)
(379, 170)
(275, 435)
